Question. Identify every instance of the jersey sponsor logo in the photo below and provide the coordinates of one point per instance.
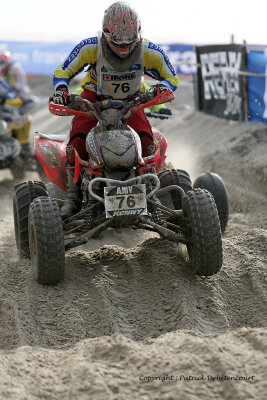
(76, 49)
(106, 69)
(166, 59)
(121, 77)
(135, 67)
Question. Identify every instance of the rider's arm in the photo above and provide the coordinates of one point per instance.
(157, 65)
(83, 54)
(18, 80)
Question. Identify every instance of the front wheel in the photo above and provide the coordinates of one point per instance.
(203, 231)
(23, 194)
(46, 241)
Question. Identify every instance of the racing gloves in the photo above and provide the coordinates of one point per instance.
(61, 95)
(159, 88)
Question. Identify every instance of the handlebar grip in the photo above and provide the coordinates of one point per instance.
(51, 98)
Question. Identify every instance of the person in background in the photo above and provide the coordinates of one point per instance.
(118, 58)
(11, 73)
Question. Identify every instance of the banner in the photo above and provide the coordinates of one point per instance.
(257, 48)
(38, 58)
(257, 87)
(44, 58)
(219, 84)
(182, 57)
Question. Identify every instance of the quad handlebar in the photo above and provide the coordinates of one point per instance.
(78, 105)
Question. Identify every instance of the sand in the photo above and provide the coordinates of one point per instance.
(130, 320)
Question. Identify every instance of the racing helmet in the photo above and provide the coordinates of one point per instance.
(5, 58)
(121, 28)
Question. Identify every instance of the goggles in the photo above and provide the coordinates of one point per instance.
(120, 42)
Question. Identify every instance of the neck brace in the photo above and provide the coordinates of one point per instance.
(115, 61)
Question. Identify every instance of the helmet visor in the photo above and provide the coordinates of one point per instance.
(120, 41)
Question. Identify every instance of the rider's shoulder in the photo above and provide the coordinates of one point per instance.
(85, 48)
(85, 44)
(89, 41)
(151, 47)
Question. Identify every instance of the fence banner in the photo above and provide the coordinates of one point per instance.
(44, 58)
(220, 86)
(38, 58)
(257, 87)
(182, 57)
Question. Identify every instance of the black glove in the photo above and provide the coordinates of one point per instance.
(159, 88)
(61, 95)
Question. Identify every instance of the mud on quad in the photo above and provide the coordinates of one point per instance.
(119, 188)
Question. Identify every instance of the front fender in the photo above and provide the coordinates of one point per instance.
(52, 156)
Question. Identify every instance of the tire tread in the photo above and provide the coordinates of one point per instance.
(206, 250)
(49, 265)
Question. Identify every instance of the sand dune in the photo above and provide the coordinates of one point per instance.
(130, 320)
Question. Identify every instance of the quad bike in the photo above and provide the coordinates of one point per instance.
(119, 188)
(15, 149)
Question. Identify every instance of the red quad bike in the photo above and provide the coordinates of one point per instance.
(119, 188)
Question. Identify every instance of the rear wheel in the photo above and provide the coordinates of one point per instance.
(23, 194)
(46, 241)
(215, 185)
(177, 177)
(204, 232)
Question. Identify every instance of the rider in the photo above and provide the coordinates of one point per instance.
(12, 73)
(118, 59)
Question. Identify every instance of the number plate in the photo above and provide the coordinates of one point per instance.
(125, 201)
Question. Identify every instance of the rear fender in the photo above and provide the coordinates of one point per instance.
(52, 156)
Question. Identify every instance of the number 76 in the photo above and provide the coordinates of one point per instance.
(130, 201)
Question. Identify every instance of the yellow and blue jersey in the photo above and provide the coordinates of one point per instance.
(156, 65)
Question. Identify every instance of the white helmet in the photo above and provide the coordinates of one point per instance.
(5, 58)
(121, 28)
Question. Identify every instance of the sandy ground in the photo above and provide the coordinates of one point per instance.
(130, 321)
